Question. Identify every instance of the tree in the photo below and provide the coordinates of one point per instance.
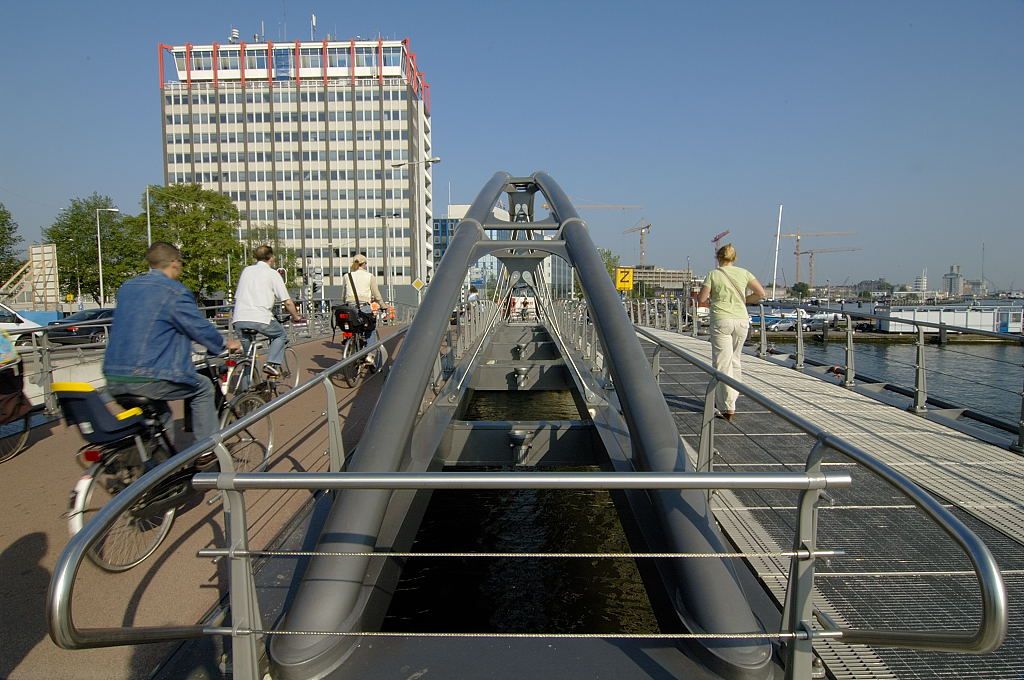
(611, 261)
(268, 234)
(202, 224)
(800, 289)
(73, 234)
(9, 240)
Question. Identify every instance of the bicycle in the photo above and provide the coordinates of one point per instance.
(356, 328)
(123, 447)
(246, 374)
(15, 410)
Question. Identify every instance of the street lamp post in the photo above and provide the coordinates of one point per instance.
(99, 250)
(426, 162)
(387, 265)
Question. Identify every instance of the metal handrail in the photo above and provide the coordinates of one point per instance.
(59, 596)
(991, 629)
(1016, 337)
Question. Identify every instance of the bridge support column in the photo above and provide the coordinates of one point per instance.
(920, 378)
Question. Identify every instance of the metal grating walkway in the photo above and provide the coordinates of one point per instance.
(899, 570)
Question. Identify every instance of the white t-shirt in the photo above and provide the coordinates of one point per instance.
(259, 287)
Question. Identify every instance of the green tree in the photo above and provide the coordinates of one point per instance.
(800, 289)
(9, 240)
(268, 234)
(202, 224)
(864, 295)
(73, 234)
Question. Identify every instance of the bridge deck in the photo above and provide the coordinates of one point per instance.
(171, 587)
(899, 571)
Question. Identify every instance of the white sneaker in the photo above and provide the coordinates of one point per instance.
(271, 370)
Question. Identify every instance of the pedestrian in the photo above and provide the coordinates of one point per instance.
(726, 287)
(474, 295)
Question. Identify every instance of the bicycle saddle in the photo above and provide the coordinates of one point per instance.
(133, 400)
(248, 332)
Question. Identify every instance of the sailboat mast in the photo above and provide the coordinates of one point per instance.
(775, 269)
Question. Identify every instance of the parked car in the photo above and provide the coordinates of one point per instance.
(782, 325)
(87, 326)
(18, 327)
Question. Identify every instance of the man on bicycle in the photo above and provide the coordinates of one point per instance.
(360, 286)
(259, 288)
(149, 353)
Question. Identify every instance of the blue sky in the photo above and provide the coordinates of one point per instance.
(899, 121)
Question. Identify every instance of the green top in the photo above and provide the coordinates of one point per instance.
(725, 302)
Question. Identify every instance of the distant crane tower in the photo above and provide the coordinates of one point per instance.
(718, 237)
(810, 259)
(798, 252)
(644, 229)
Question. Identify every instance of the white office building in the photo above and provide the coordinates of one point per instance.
(326, 141)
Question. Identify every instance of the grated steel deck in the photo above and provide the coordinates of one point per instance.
(899, 570)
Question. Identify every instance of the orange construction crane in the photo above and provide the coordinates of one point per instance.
(644, 228)
(810, 259)
(799, 234)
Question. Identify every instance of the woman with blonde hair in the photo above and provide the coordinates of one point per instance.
(727, 287)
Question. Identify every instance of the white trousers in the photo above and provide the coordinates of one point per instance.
(727, 336)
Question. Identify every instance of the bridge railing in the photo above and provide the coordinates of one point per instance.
(991, 629)
(657, 314)
(63, 629)
(247, 627)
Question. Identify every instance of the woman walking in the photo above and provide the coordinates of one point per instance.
(727, 288)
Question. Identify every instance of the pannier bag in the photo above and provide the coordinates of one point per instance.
(349, 319)
(13, 403)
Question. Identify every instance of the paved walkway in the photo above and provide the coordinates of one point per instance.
(172, 586)
(900, 571)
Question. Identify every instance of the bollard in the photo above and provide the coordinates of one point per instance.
(799, 365)
(762, 350)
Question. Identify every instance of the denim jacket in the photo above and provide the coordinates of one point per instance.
(154, 326)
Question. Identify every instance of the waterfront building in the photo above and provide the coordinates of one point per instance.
(328, 142)
(659, 278)
(921, 282)
(953, 282)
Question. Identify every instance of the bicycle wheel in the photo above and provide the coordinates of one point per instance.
(13, 436)
(351, 374)
(249, 448)
(134, 536)
(289, 371)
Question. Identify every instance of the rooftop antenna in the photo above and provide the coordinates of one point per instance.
(234, 35)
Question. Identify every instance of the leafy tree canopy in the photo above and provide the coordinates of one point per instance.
(74, 235)
(9, 240)
(800, 289)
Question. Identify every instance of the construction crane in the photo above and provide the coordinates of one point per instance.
(644, 229)
(810, 259)
(718, 237)
(799, 234)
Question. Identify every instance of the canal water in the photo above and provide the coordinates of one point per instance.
(985, 377)
(514, 595)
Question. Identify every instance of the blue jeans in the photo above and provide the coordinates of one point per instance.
(273, 331)
(201, 400)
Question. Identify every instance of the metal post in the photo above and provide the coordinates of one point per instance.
(694, 321)
(799, 365)
(799, 608)
(245, 613)
(943, 337)
(850, 371)
(335, 443)
(920, 379)
(656, 364)
(46, 369)
(762, 350)
(679, 316)
(706, 444)
(1019, 446)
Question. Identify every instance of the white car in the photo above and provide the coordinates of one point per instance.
(17, 326)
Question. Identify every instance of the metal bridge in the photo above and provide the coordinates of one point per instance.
(820, 531)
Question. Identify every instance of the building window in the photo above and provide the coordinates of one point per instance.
(337, 57)
(366, 56)
(392, 56)
(202, 60)
(311, 57)
(256, 58)
(228, 60)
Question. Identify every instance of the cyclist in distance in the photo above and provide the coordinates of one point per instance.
(361, 286)
(259, 288)
(149, 353)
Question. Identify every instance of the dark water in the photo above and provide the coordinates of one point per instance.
(540, 405)
(985, 377)
(501, 594)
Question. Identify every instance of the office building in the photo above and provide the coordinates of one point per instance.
(327, 142)
(953, 282)
(655, 278)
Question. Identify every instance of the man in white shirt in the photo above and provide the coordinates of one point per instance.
(360, 285)
(259, 288)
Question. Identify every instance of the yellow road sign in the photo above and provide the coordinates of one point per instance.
(417, 284)
(623, 278)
